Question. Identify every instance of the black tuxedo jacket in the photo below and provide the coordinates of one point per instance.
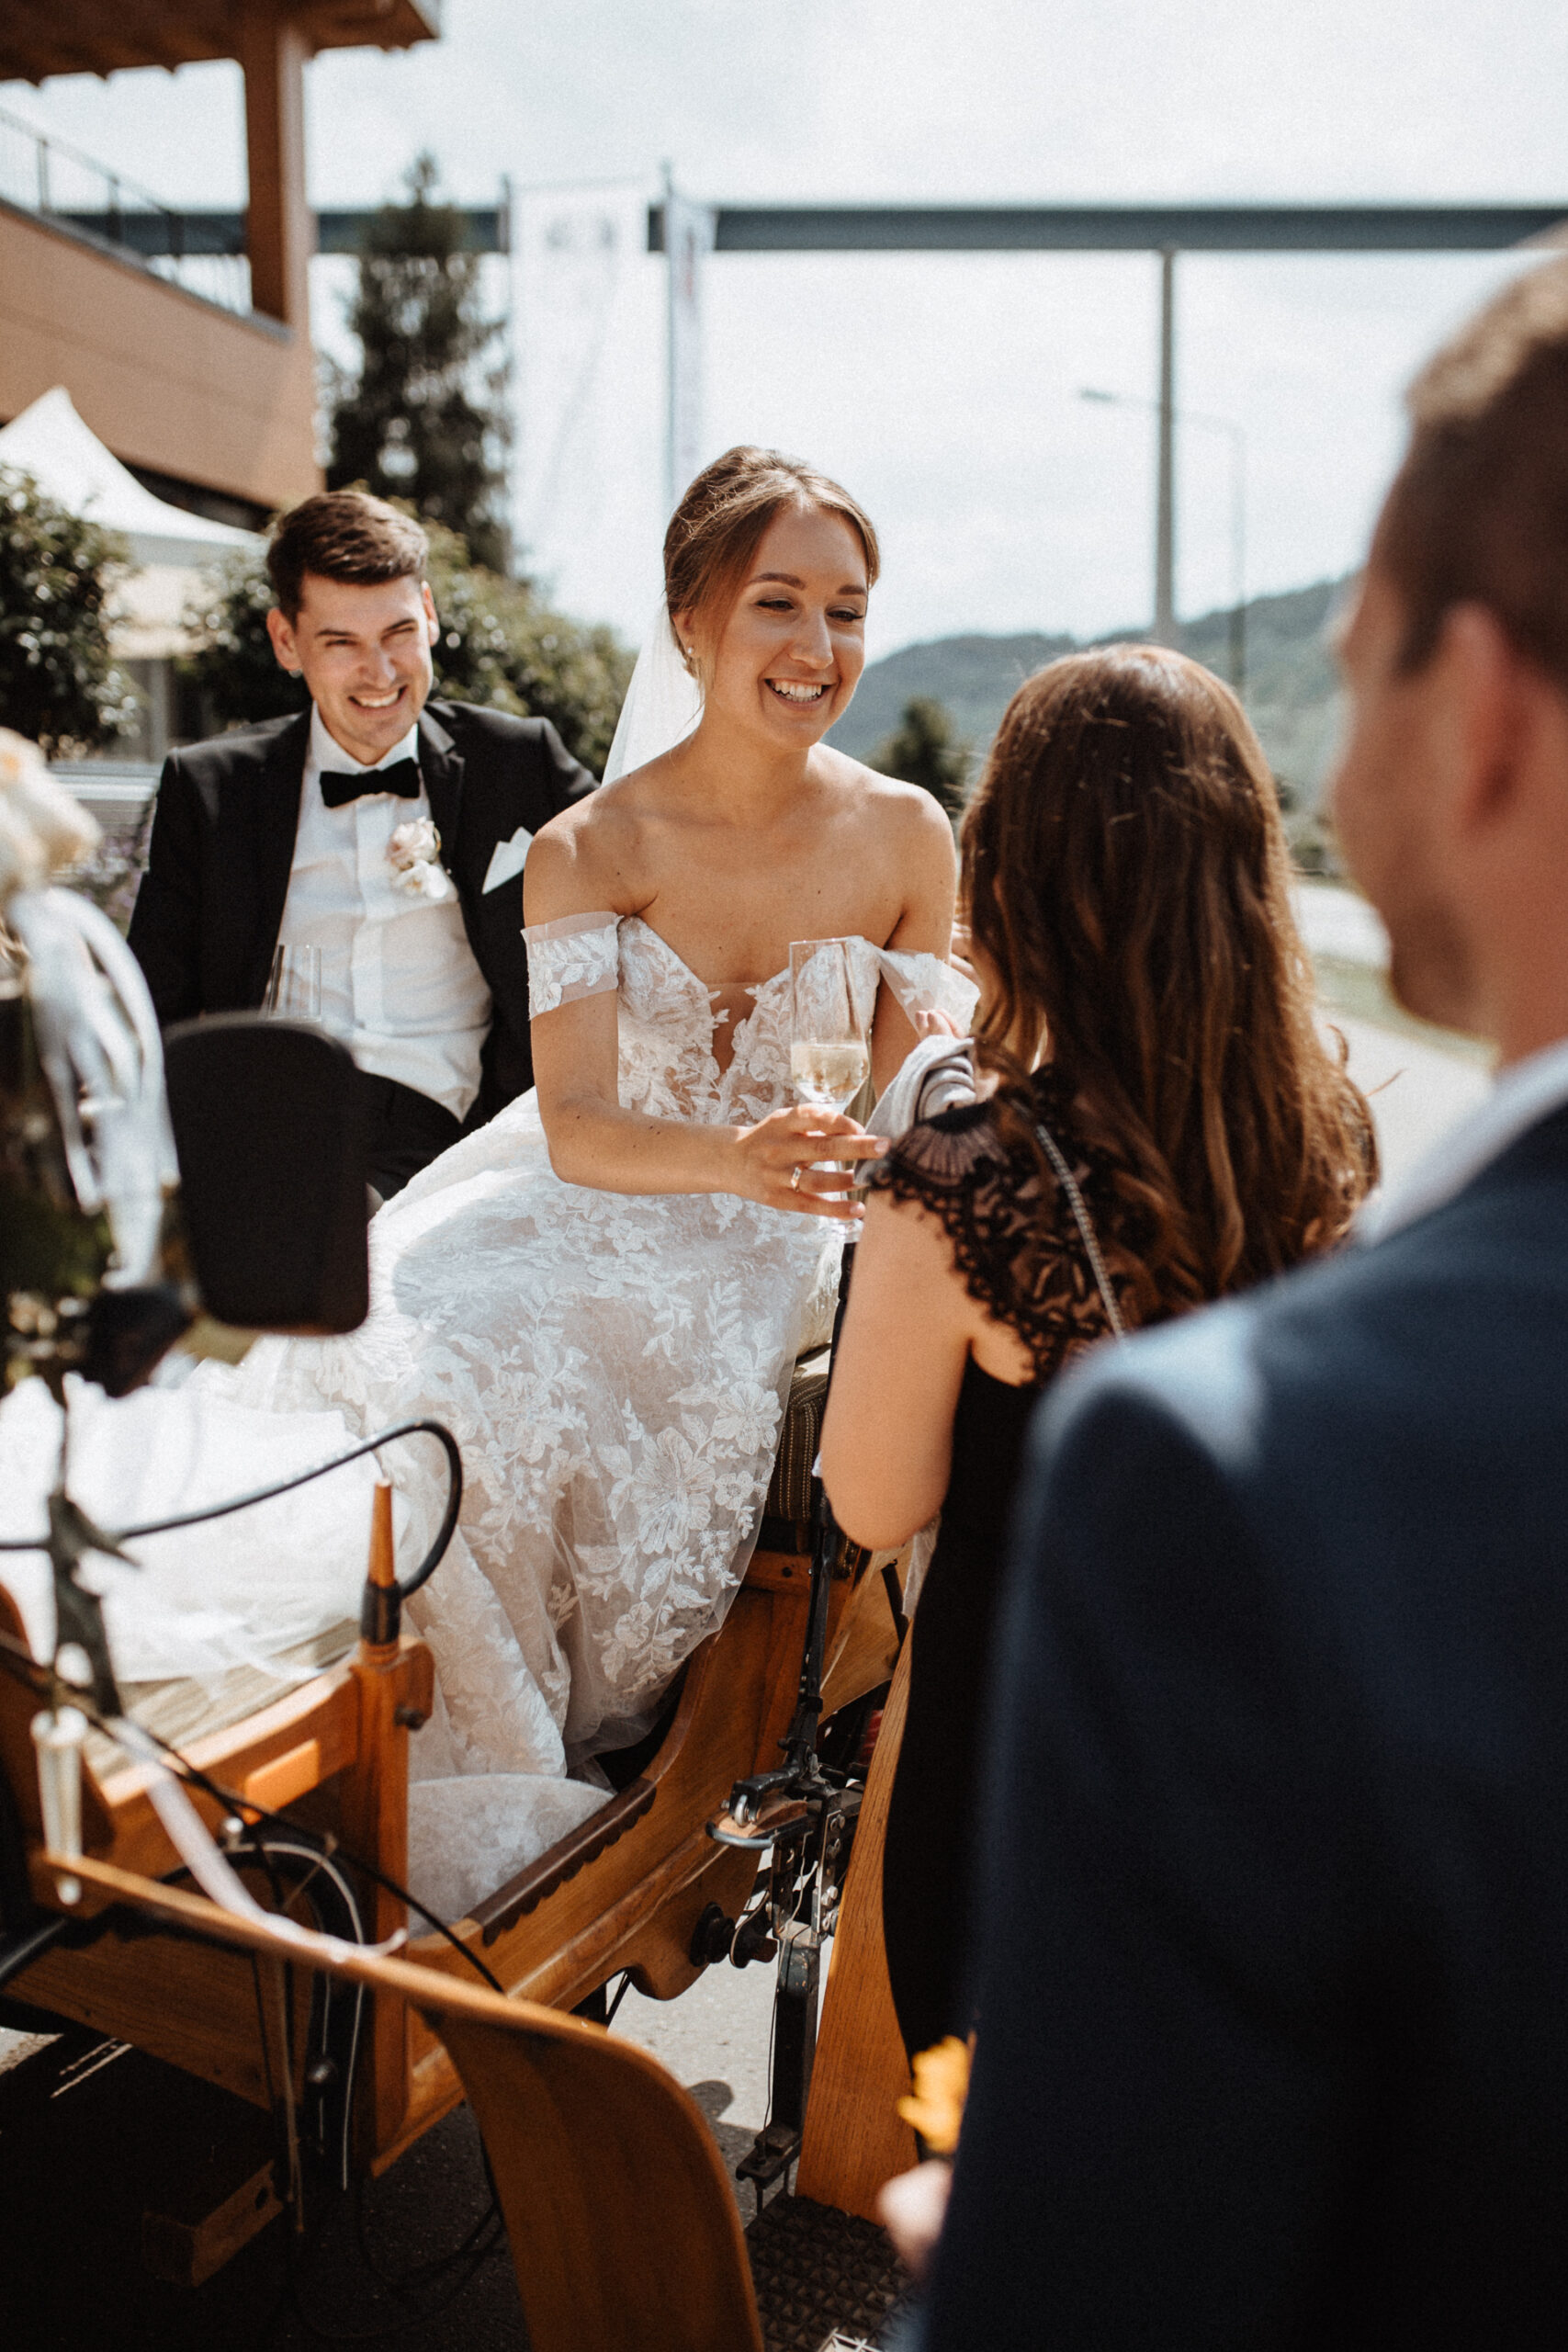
(210, 902)
(1273, 1952)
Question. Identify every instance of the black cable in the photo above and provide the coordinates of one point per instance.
(238, 1806)
(426, 1567)
(323, 1866)
(400, 2281)
(482, 2241)
(297, 2286)
(489, 2232)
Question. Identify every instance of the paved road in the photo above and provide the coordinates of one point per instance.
(1337, 921)
(1418, 1092)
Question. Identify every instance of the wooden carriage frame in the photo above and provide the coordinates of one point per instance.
(629, 1890)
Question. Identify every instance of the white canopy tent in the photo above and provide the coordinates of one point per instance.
(66, 459)
(169, 550)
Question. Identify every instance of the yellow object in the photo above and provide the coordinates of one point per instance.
(941, 2084)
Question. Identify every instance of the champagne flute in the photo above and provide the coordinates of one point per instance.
(294, 984)
(829, 1058)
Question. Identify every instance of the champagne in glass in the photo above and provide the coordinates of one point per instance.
(294, 985)
(829, 1059)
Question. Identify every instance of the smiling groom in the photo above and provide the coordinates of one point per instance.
(385, 830)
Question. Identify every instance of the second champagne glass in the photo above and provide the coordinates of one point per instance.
(294, 984)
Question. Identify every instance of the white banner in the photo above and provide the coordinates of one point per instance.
(587, 452)
(688, 240)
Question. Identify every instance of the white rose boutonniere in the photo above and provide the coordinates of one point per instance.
(413, 854)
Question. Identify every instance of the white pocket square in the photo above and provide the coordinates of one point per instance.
(508, 859)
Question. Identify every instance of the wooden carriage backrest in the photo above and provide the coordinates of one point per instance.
(623, 2228)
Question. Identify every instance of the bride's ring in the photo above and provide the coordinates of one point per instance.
(796, 1174)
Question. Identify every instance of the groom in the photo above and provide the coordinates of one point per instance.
(385, 831)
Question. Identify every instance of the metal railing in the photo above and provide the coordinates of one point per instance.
(43, 174)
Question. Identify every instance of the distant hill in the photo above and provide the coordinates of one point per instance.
(1290, 691)
(975, 677)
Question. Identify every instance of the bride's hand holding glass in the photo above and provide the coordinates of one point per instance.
(778, 1161)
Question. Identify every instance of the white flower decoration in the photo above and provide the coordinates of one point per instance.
(42, 829)
(413, 854)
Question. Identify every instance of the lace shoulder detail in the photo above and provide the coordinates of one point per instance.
(574, 956)
(1015, 1240)
(923, 983)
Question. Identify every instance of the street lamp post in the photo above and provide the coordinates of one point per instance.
(1165, 488)
(1165, 625)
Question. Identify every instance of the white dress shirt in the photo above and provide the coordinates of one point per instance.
(1521, 1096)
(400, 985)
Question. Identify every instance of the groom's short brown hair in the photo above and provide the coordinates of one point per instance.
(1479, 510)
(342, 535)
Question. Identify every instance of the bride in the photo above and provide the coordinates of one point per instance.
(603, 1292)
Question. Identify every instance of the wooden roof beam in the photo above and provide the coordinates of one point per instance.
(113, 36)
(38, 43)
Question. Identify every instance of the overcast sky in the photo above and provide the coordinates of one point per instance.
(943, 389)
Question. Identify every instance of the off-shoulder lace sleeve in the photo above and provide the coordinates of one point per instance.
(576, 956)
(923, 983)
(1015, 1242)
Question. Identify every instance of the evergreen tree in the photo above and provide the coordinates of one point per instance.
(418, 424)
(923, 749)
(58, 685)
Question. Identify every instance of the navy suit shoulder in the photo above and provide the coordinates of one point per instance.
(1468, 1304)
(1275, 1923)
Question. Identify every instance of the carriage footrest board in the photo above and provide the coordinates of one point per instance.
(821, 2275)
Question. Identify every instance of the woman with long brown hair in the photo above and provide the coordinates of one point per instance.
(1164, 1124)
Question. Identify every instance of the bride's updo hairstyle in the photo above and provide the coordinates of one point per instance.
(1127, 881)
(719, 524)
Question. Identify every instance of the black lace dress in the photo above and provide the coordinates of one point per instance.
(1018, 1249)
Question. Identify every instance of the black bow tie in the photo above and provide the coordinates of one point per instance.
(338, 788)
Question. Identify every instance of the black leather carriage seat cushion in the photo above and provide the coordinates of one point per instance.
(792, 1496)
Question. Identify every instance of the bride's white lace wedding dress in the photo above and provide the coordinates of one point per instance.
(614, 1368)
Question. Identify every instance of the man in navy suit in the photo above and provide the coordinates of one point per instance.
(1273, 1960)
